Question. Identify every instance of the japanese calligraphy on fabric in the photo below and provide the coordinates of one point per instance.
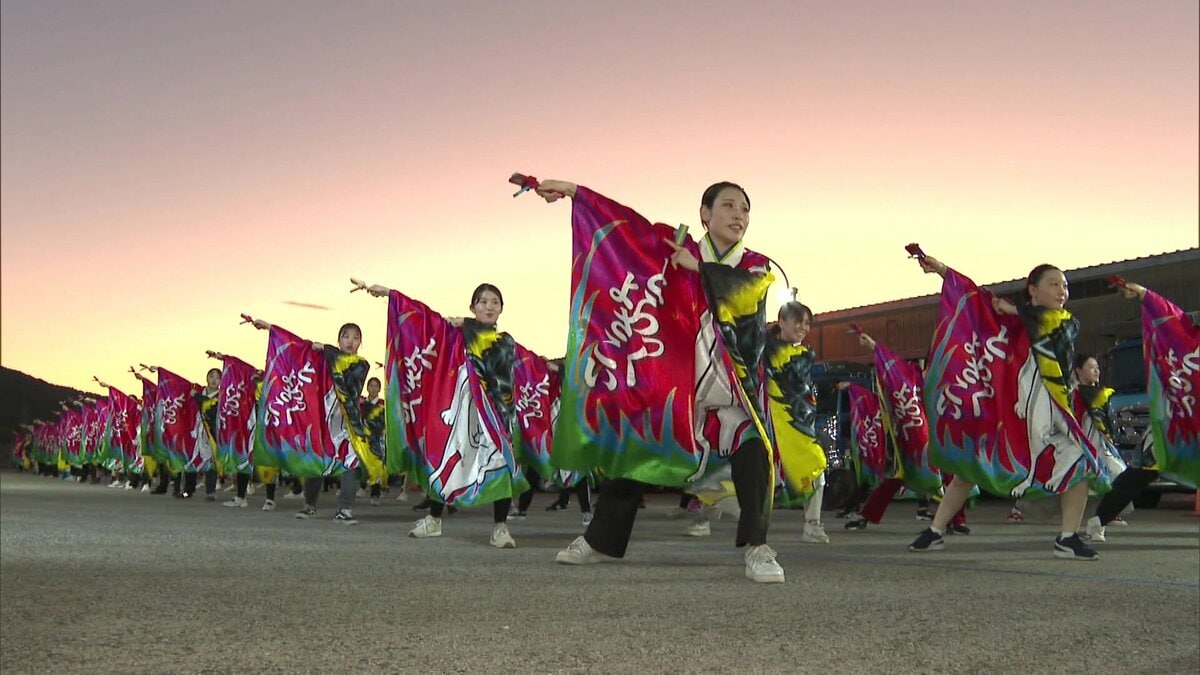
(235, 416)
(458, 442)
(992, 419)
(868, 438)
(899, 383)
(294, 429)
(178, 418)
(1171, 345)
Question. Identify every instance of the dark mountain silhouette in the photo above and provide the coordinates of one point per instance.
(23, 399)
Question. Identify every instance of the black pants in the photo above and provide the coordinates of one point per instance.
(499, 509)
(189, 482)
(1126, 486)
(243, 483)
(526, 498)
(618, 504)
(210, 482)
(583, 493)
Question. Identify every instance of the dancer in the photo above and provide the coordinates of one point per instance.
(725, 285)
(1057, 458)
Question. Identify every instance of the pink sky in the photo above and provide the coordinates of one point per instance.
(167, 165)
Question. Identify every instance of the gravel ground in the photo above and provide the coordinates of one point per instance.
(99, 580)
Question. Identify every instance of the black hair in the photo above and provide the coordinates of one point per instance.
(794, 310)
(348, 326)
(1035, 276)
(1081, 359)
(709, 198)
(211, 371)
(479, 291)
(376, 380)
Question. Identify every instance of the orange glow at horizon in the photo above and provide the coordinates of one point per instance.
(166, 167)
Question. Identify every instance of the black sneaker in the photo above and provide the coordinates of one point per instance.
(556, 507)
(858, 523)
(423, 505)
(1073, 548)
(958, 529)
(924, 514)
(928, 540)
(343, 516)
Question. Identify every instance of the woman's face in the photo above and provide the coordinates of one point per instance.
(1050, 291)
(349, 341)
(728, 218)
(487, 308)
(1088, 373)
(794, 330)
(214, 379)
(373, 388)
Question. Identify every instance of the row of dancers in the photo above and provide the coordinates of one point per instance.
(697, 341)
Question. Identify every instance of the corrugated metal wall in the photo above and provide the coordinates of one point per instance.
(906, 326)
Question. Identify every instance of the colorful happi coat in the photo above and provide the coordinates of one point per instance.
(538, 392)
(310, 420)
(178, 423)
(664, 373)
(997, 394)
(124, 414)
(235, 417)
(450, 406)
(791, 407)
(1171, 346)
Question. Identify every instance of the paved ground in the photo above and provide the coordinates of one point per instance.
(101, 580)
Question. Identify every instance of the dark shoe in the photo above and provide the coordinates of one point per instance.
(858, 523)
(960, 528)
(1073, 548)
(928, 540)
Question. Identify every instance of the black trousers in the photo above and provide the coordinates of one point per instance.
(1126, 486)
(499, 509)
(526, 498)
(243, 483)
(618, 504)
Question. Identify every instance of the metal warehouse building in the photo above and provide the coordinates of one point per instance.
(906, 326)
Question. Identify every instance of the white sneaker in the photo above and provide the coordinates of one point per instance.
(360, 493)
(115, 484)
(293, 495)
(146, 487)
(814, 533)
(678, 512)
(374, 501)
(269, 505)
(1094, 531)
(232, 487)
(587, 519)
(699, 528)
(579, 552)
(250, 490)
(236, 502)
(402, 497)
(761, 565)
(426, 527)
(501, 538)
(128, 485)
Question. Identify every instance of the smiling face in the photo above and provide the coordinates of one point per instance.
(349, 340)
(1050, 290)
(728, 218)
(795, 329)
(1088, 373)
(487, 307)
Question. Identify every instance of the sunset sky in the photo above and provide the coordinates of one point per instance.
(168, 164)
